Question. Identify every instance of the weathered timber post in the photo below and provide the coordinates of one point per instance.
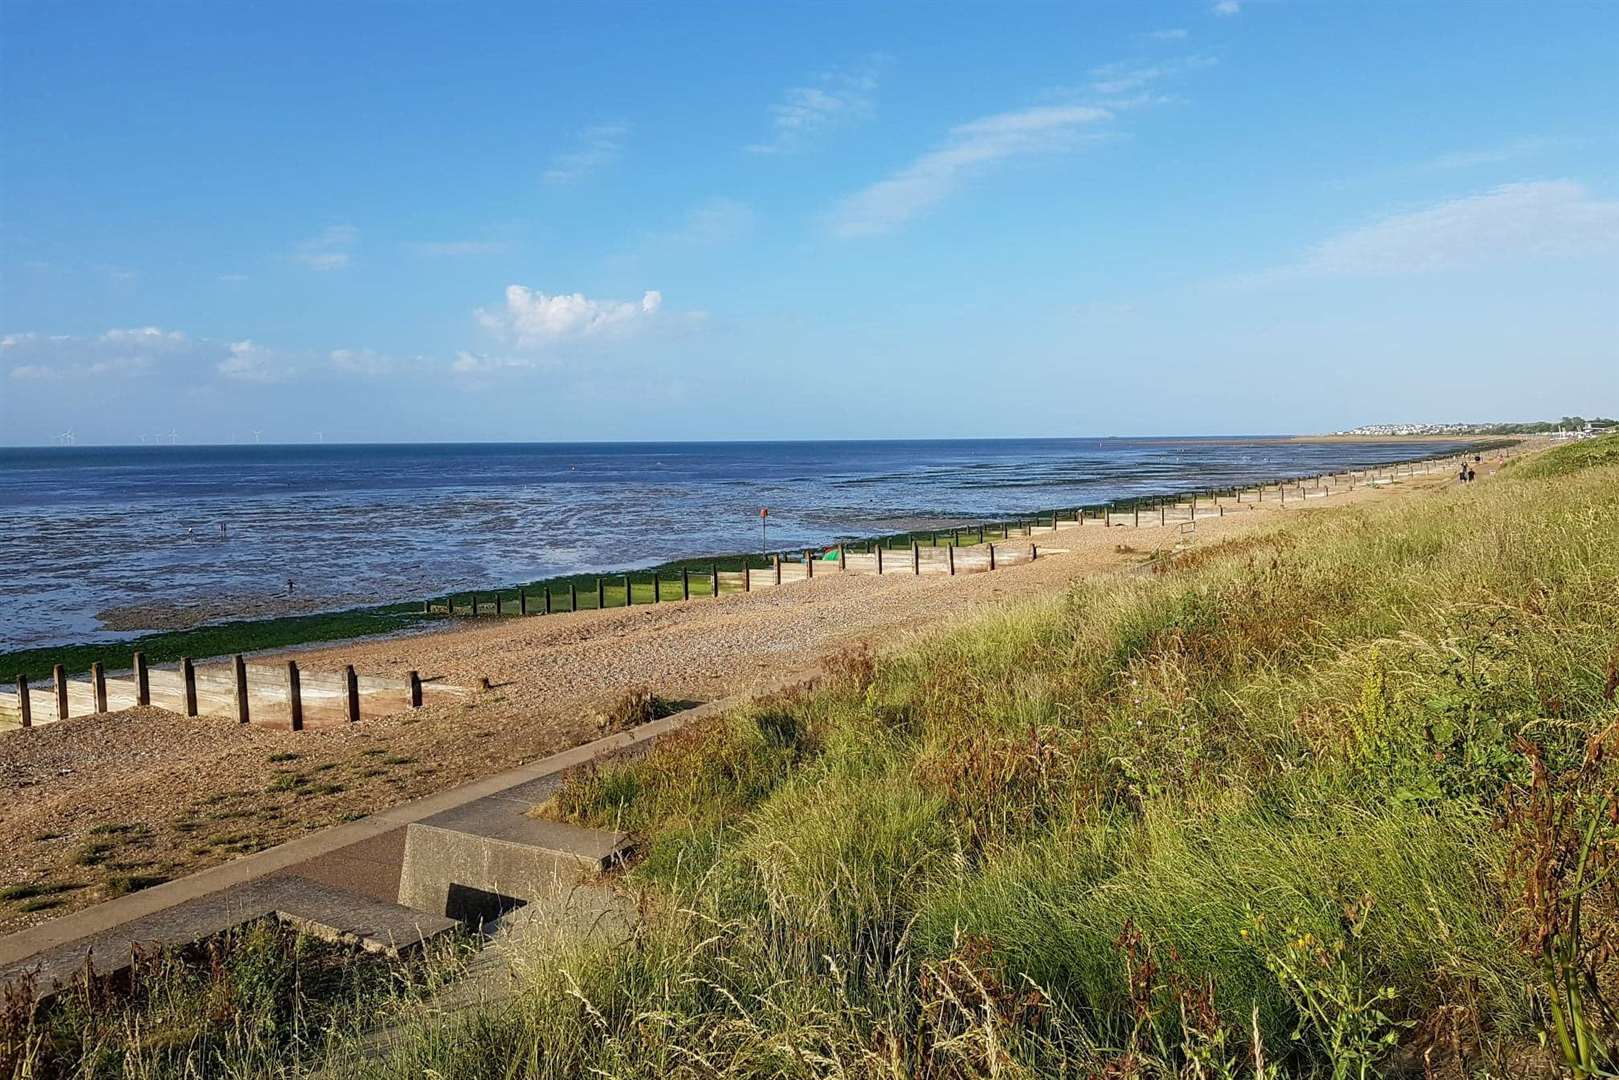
(843, 559)
(188, 677)
(601, 594)
(573, 596)
(916, 558)
(685, 583)
(295, 697)
(497, 601)
(1161, 513)
(25, 708)
(427, 607)
(59, 677)
(522, 601)
(351, 691)
(879, 560)
(629, 599)
(992, 556)
(415, 680)
(980, 534)
(809, 564)
(777, 564)
(657, 587)
(239, 666)
(474, 605)
(950, 556)
(143, 683)
(747, 576)
(98, 682)
(714, 579)
(548, 598)
(1136, 509)
(1034, 552)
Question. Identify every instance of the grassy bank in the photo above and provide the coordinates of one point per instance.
(257, 1001)
(1318, 802)
(568, 593)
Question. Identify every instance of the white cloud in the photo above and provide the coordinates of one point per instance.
(471, 363)
(115, 353)
(332, 249)
(1552, 219)
(534, 320)
(459, 247)
(599, 146)
(832, 99)
(969, 148)
(1227, 7)
(252, 363)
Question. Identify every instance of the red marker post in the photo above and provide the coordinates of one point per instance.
(764, 515)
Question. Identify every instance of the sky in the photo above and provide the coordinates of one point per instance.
(398, 222)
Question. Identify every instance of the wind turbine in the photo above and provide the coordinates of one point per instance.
(256, 438)
(67, 438)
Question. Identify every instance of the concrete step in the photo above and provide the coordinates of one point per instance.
(487, 858)
(338, 915)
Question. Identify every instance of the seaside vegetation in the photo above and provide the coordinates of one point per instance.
(260, 1000)
(1336, 800)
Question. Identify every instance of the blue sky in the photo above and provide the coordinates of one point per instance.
(435, 221)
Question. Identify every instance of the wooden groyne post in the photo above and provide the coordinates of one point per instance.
(351, 693)
(59, 677)
(295, 697)
(143, 685)
(98, 684)
(239, 669)
(415, 681)
(188, 677)
(24, 707)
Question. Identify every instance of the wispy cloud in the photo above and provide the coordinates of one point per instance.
(1227, 7)
(598, 146)
(116, 353)
(530, 319)
(717, 221)
(1484, 155)
(1123, 79)
(458, 248)
(331, 249)
(968, 149)
(1538, 220)
(830, 100)
(248, 362)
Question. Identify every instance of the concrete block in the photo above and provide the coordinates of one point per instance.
(481, 861)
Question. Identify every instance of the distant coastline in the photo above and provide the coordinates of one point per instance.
(213, 623)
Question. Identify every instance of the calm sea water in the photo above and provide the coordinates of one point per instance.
(85, 530)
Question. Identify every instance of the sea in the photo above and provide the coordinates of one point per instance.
(95, 539)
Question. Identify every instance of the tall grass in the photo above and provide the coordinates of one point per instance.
(1248, 816)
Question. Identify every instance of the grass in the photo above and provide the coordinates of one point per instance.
(257, 1001)
(1297, 805)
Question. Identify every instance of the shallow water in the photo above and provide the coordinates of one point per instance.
(84, 530)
